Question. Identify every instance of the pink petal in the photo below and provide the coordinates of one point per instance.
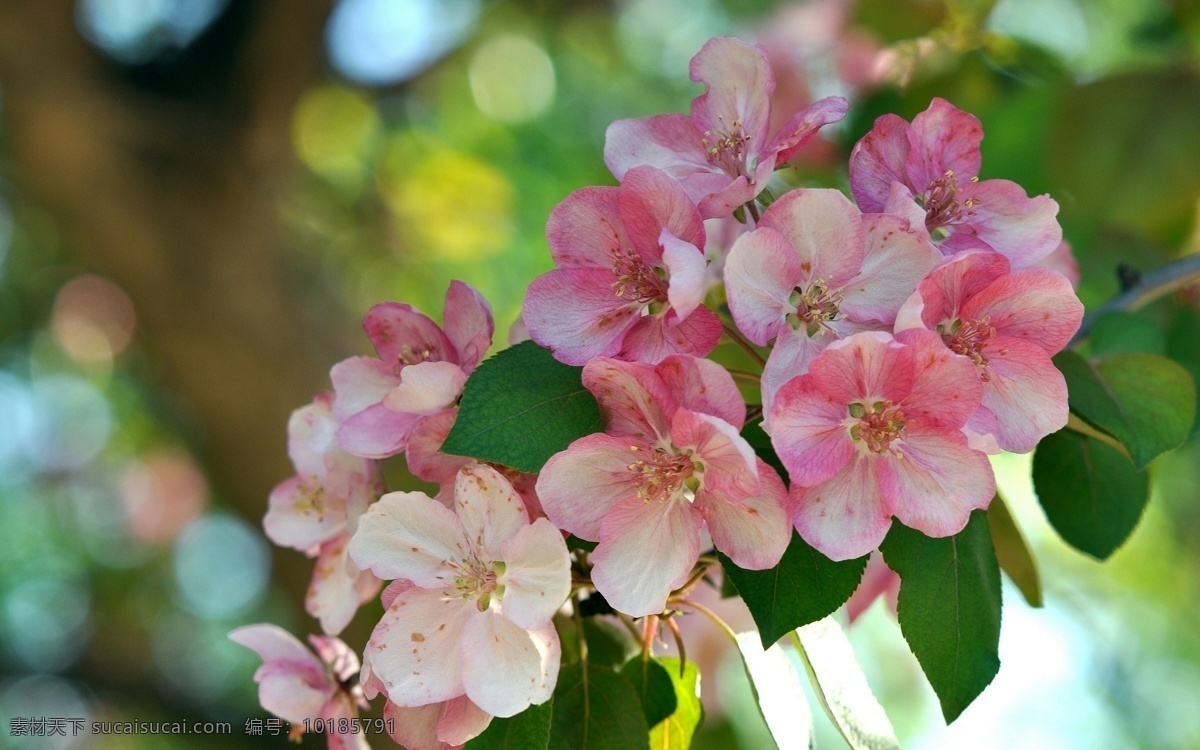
(632, 397)
(722, 196)
(505, 669)
(760, 273)
(738, 84)
(981, 430)
(399, 331)
(729, 461)
(1034, 304)
(338, 587)
(1063, 261)
(409, 535)
(1025, 391)
(426, 388)
(576, 313)
(300, 515)
(649, 202)
(943, 138)
(311, 430)
(490, 509)
(289, 693)
(895, 260)
(1023, 229)
(791, 356)
(377, 431)
(273, 643)
(877, 161)
(686, 268)
(537, 575)
(416, 649)
(360, 382)
(646, 550)
(939, 480)
(461, 721)
(702, 385)
(826, 231)
(333, 651)
(584, 230)
(843, 517)
(469, 324)
(424, 452)
(415, 728)
(940, 297)
(340, 713)
(669, 142)
(653, 338)
(798, 131)
(865, 367)
(902, 202)
(754, 532)
(810, 432)
(944, 385)
(601, 464)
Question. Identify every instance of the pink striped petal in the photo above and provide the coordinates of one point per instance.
(865, 367)
(424, 452)
(469, 324)
(1026, 393)
(803, 126)
(753, 531)
(810, 432)
(377, 431)
(399, 331)
(945, 385)
(1033, 304)
(941, 296)
(702, 385)
(843, 517)
(601, 464)
(895, 260)
(361, 382)
(575, 313)
(461, 721)
(632, 397)
(1023, 229)
(760, 273)
(943, 138)
(877, 161)
(669, 142)
(738, 84)
(653, 338)
(649, 202)
(826, 231)
(584, 229)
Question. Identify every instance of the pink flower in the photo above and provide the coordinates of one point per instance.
(480, 586)
(723, 153)
(420, 371)
(630, 277)
(927, 172)
(1007, 325)
(426, 461)
(295, 685)
(1063, 260)
(317, 510)
(815, 271)
(670, 466)
(874, 430)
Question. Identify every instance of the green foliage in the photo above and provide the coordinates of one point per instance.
(1145, 401)
(653, 686)
(1013, 553)
(1092, 494)
(675, 732)
(949, 607)
(1183, 346)
(520, 407)
(596, 709)
(608, 645)
(804, 587)
(528, 730)
(1126, 333)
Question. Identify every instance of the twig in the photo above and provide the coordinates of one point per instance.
(1148, 288)
(737, 339)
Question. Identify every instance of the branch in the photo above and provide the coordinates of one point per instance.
(1150, 287)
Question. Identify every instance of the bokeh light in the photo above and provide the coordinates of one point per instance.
(512, 79)
(221, 567)
(93, 319)
(161, 494)
(333, 129)
(135, 31)
(381, 41)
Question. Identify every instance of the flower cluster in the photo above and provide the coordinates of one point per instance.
(898, 338)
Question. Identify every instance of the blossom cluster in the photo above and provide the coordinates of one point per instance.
(902, 336)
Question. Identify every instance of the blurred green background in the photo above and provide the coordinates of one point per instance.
(200, 198)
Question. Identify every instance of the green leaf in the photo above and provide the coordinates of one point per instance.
(1093, 495)
(1145, 401)
(1121, 332)
(596, 709)
(949, 607)
(777, 692)
(760, 441)
(1183, 346)
(653, 686)
(1013, 553)
(804, 587)
(520, 407)
(675, 732)
(528, 730)
(842, 688)
(609, 645)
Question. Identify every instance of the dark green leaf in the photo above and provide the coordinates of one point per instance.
(949, 607)
(1183, 346)
(1126, 333)
(575, 544)
(596, 709)
(1093, 495)
(1146, 402)
(804, 587)
(675, 732)
(609, 645)
(1013, 553)
(654, 688)
(528, 730)
(520, 407)
(760, 441)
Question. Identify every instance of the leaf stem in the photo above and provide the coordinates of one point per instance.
(716, 619)
(754, 212)
(1155, 284)
(746, 377)
(737, 339)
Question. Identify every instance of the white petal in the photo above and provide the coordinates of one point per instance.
(504, 668)
(537, 578)
(409, 535)
(426, 388)
(490, 509)
(416, 649)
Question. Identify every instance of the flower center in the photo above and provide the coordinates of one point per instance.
(476, 580)
(816, 308)
(409, 355)
(877, 426)
(970, 338)
(727, 149)
(663, 474)
(634, 280)
(942, 207)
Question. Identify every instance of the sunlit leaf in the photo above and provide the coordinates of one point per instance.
(654, 688)
(675, 732)
(777, 691)
(1013, 553)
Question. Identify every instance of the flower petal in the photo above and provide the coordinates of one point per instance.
(409, 535)
(648, 202)
(760, 273)
(490, 509)
(653, 338)
(809, 432)
(1023, 229)
(299, 515)
(415, 728)
(469, 324)
(632, 397)
(944, 384)
(291, 693)
(601, 464)
(798, 131)
(338, 587)
(826, 231)
(669, 142)
(504, 670)
(273, 643)
(416, 648)
(377, 431)
(399, 331)
(865, 367)
(895, 260)
(753, 531)
(576, 313)
(1026, 393)
(1033, 304)
(877, 161)
(686, 268)
(424, 452)
(702, 385)
(941, 295)
(844, 517)
(537, 575)
(360, 382)
(738, 84)
(426, 388)
(943, 138)
(584, 229)
(729, 461)
(461, 721)
(646, 550)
